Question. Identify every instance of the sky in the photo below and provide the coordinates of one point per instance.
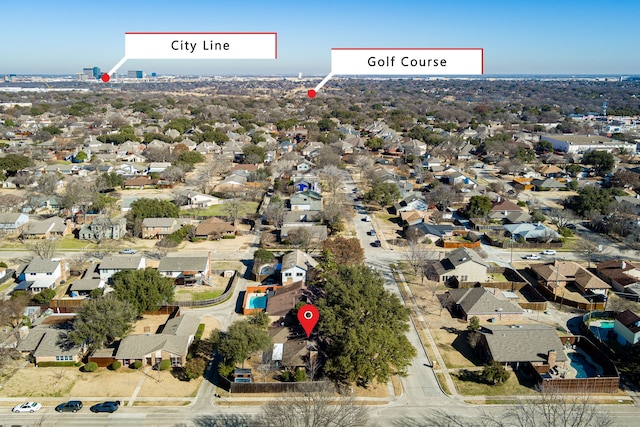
(518, 37)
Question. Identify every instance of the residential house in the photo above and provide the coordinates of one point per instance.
(304, 166)
(461, 265)
(11, 224)
(531, 232)
(155, 228)
(283, 299)
(301, 218)
(111, 265)
(289, 351)
(41, 274)
(102, 228)
(199, 200)
(414, 217)
(430, 231)
(306, 201)
(415, 147)
(622, 275)
(157, 167)
(48, 344)
(314, 233)
(484, 305)
(627, 327)
(295, 266)
(558, 275)
(186, 270)
(411, 203)
(47, 228)
(86, 284)
(140, 183)
(214, 228)
(502, 208)
(171, 344)
(548, 184)
(535, 344)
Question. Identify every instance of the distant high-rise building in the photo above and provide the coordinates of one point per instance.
(135, 74)
(93, 72)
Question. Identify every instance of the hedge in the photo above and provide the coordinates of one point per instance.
(164, 365)
(199, 332)
(137, 364)
(90, 367)
(116, 365)
(49, 364)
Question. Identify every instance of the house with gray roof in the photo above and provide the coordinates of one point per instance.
(11, 224)
(47, 228)
(461, 265)
(306, 201)
(49, 343)
(171, 344)
(155, 228)
(531, 343)
(295, 266)
(483, 304)
(110, 265)
(531, 232)
(186, 270)
(41, 274)
(103, 228)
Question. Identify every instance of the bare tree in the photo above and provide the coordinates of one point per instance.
(561, 217)
(45, 249)
(233, 210)
(364, 162)
(332, 177)
(589, 249)
(10, 202)
(275, 213)
(11, 311)
(314, 407)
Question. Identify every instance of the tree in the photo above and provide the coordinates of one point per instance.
(254, 154)
(12, 163)
(315, 406)
(602, 161)
(191, 157)
(241, 340)
(275, 212)
(11, 310)
(494, 373)
(108, 181)
(588, 248)
(195, 368)
(474, 324)
(590, 199)
(332, 176)
(345, 251)
(81, 156)
(479, 207)
(151, 208)
(233, 209)
(44, 249)
(303, 238)
(383, 193)
(145, 290)
(262, 257)
(356, 312)
(47, 184)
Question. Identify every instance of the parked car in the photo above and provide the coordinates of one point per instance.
(376, 244)
(532, 256)
(371, 232)
(549, 252)
(128, 251)
(110, 406)
(70, 406)
(28, 407)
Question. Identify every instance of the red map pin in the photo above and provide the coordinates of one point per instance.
(308, 316)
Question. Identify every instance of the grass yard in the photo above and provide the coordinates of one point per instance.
(198, 294)
(221, 210)
(468, 384)
(71, 243)
(454, 349)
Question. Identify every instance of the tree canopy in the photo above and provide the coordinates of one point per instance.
(100, 321)
(383, 193)
(145, 290)
(241, 339)
(479, 207)
(356, 315)
(12, 163)
(592, 199)
(602, 161)
(343, 250)
(153, 208)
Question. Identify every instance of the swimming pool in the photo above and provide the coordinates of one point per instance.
(582, 366)
(257, 301)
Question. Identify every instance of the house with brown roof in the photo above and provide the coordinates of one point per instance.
(622, 275)
(461, 265)
(140, 182)
(214, 228)
(155, 228)
(288, 351)
(284, 298)
(502, 208)
(627, 327)
(558, 275)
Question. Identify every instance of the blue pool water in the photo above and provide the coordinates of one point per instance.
(257, 301)
(582, 366)
(607, 324)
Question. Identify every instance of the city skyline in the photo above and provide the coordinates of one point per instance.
(518, 38)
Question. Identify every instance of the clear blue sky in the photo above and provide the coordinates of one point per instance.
(519, 37)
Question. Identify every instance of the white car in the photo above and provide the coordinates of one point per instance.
(549, 252)
(532, 257)
(28, 407)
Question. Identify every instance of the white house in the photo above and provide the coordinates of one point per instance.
(295, 266)
(627, 327)
(200, 200)
(186, 270)
(112, 264)
(40, 274)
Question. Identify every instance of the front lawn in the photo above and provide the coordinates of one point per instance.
(246, 208)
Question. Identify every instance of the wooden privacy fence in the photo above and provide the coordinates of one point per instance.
(283, 387)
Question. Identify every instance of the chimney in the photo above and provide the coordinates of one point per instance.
(623, 265)
(551, 358)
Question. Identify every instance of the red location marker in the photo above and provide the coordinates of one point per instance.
(308, 316)
(311, 93)
(105, 77)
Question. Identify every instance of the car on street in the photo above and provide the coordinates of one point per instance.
(376, 244)
(549, 252)
(128, 251)
(70, 406)
(109, 406)
(28, 407)
(532, 257)
(371, 232)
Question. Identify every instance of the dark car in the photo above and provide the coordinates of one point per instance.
(70, 406)
(376, 244)
(110, 407)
